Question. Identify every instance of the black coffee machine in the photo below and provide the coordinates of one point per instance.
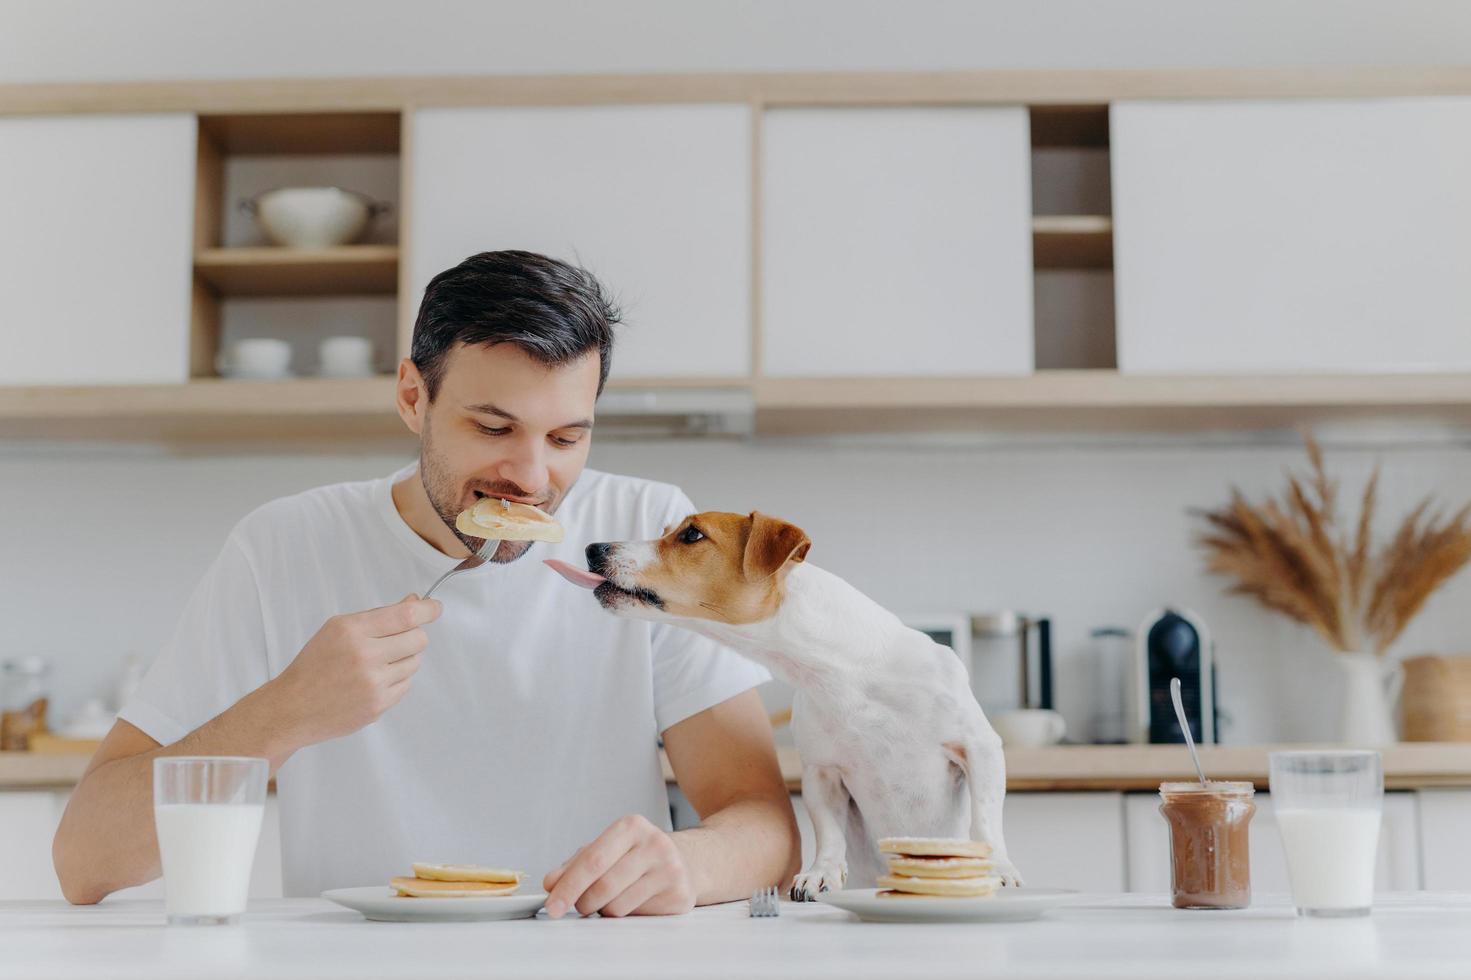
(1174, 643)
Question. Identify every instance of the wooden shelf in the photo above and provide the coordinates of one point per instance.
(1103, 401)
(1072, 242)
(273, 133)
(1407, 765)
(312, 409)
(206, 410)
(1069, 125)
(277, 271)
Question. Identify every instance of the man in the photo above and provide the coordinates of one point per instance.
(508, 721)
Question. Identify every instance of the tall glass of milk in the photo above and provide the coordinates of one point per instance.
(207, 810)
(1329, 806)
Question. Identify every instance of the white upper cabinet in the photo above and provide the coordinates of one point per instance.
(1293, 236)
(96, 248)
(654, 200)
(896, 241)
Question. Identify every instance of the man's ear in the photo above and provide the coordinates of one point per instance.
(412, 396)
(771, 544)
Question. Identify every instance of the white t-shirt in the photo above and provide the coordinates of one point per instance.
(530, 726)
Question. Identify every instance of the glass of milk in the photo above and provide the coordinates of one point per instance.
(1329, 806)
(207, 810)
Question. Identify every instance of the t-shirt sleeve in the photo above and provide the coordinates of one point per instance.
(692, 672)
(217, 654)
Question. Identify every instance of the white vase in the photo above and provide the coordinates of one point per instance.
(1371, 689)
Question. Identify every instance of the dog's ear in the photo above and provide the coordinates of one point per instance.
(771, 544)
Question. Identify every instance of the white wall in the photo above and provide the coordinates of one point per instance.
(67, 40)
(1093, 535)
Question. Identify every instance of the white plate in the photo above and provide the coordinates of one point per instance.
(1006, 905)
(382, 904)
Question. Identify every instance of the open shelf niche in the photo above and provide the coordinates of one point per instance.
(245, 286)
(1072, 238)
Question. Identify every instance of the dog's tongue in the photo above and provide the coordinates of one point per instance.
(573, 574)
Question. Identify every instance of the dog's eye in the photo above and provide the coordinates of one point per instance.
(690, 535)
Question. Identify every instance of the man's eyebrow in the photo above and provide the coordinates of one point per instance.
(486, 408)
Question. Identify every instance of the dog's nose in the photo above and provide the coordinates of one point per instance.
(598, 555)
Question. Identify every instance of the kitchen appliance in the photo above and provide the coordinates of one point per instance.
(1111, 649)
(1011, 660)
(312, 217)
(1008, 656)
(1173, 642)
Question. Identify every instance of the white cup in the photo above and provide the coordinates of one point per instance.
(1030, 727)
(345, 357)
(257, 358)
(207, 813)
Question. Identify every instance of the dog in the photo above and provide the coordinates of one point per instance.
(893, 743)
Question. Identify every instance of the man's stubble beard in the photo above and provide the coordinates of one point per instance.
(442, 488)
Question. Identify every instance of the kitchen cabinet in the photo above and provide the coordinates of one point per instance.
(896, 241)
(1445, 815)
(96, 246)
(1292, 235)
(1068, 840)
(654, 200)
(1148, 846)
(29, 819)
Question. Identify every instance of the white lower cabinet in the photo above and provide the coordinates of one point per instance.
(1445, 815)
(28, 821)
(1072, 840)
(1148, 846)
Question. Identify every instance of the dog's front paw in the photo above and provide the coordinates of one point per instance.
(817, 879)
(1006, 871)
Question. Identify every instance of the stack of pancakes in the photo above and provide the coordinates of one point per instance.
(937, 866)
(456, 881)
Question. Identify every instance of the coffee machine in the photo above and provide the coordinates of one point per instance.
(1173, 642)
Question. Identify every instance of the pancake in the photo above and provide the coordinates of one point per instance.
(426, 888)
(495, 519)
(943, 887)
(932, 867)
(934, 847)
(467, 872)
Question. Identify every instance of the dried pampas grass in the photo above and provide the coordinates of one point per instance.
(1292, 556)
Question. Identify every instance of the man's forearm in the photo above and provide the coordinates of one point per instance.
(106, 840)
(749, 844)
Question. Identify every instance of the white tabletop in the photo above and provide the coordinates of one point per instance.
(1135, 936)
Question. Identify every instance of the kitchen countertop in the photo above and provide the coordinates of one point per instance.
(1407, 765)
(1134, 936)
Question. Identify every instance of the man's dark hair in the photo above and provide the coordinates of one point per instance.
(553, 311)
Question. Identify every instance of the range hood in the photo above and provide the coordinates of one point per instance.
(676, 412)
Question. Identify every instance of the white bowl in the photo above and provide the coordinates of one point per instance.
(312, 217)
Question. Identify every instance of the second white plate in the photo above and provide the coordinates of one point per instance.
(1006, 905)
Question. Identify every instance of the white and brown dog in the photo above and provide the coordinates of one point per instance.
(893, 743)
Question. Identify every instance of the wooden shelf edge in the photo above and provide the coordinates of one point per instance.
(1072, 241)
(275, 271)
(278, 255)
(1047, 401)
(1042, 87)
(1108, 388)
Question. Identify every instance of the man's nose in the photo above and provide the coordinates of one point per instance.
(526, 468)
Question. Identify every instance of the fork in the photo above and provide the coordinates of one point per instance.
(765, 904)
(474, 561)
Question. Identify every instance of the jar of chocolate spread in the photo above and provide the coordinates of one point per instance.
(1209, 859)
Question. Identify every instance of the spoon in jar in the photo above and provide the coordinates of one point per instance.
(1185, 727)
